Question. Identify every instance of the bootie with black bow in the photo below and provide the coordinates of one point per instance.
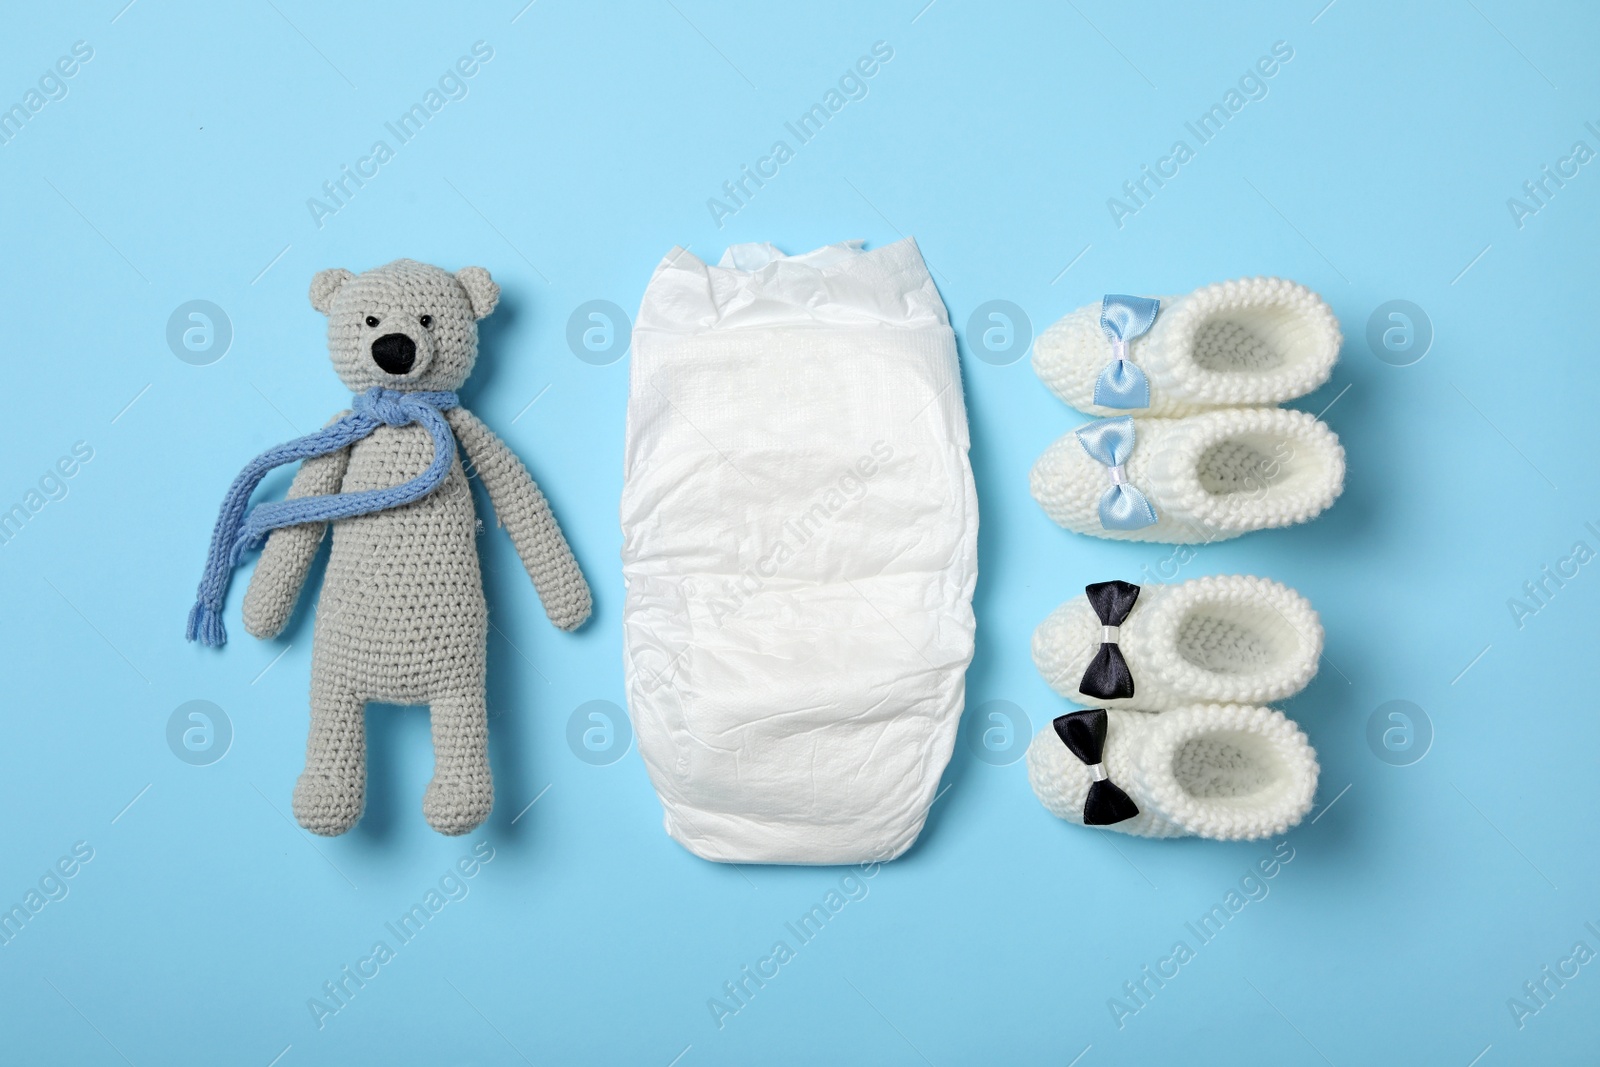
(1232, 639)
(1227, 772)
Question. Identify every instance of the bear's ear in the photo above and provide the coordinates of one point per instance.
(325, 286)
(481, 290)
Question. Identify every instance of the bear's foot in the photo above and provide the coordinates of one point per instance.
(328, 804)
(459, 800)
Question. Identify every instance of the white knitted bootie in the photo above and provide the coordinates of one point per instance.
(1229, 772)
(1190, 480)
(1233, 639)
(1250, 342)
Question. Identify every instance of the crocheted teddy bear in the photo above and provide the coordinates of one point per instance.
(402, 617)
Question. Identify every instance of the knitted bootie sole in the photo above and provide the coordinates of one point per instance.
(1231, 639)
(1207, 477)
(1227, 772)
(1243, 343)
(458, 802)
(328, 804)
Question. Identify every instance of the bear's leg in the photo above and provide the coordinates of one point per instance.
(462, 791)
(332, 790)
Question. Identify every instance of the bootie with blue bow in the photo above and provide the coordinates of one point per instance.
(1252, 342)
(1228, 639)
(1229, 772)
(1190, 480)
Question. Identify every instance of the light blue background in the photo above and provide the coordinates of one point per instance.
(1378, 167)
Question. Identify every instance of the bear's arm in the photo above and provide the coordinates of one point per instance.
(281, 571)
(522, 509)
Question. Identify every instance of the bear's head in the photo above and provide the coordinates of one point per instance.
(405, 325)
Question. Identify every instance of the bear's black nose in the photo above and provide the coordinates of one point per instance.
(394, 353)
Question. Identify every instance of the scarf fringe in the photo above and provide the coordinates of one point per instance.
(205, 626)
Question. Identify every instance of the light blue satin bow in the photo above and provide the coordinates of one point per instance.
(1109, 442)
(1122, 318)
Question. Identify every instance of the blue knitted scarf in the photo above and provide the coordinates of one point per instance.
(240, 527)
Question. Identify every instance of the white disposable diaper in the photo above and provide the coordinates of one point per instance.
(799, 547)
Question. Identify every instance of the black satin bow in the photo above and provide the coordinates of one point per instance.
(1107, 677)
(1084, 734)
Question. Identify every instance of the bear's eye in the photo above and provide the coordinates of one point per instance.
(426, 320)
(372, 320)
